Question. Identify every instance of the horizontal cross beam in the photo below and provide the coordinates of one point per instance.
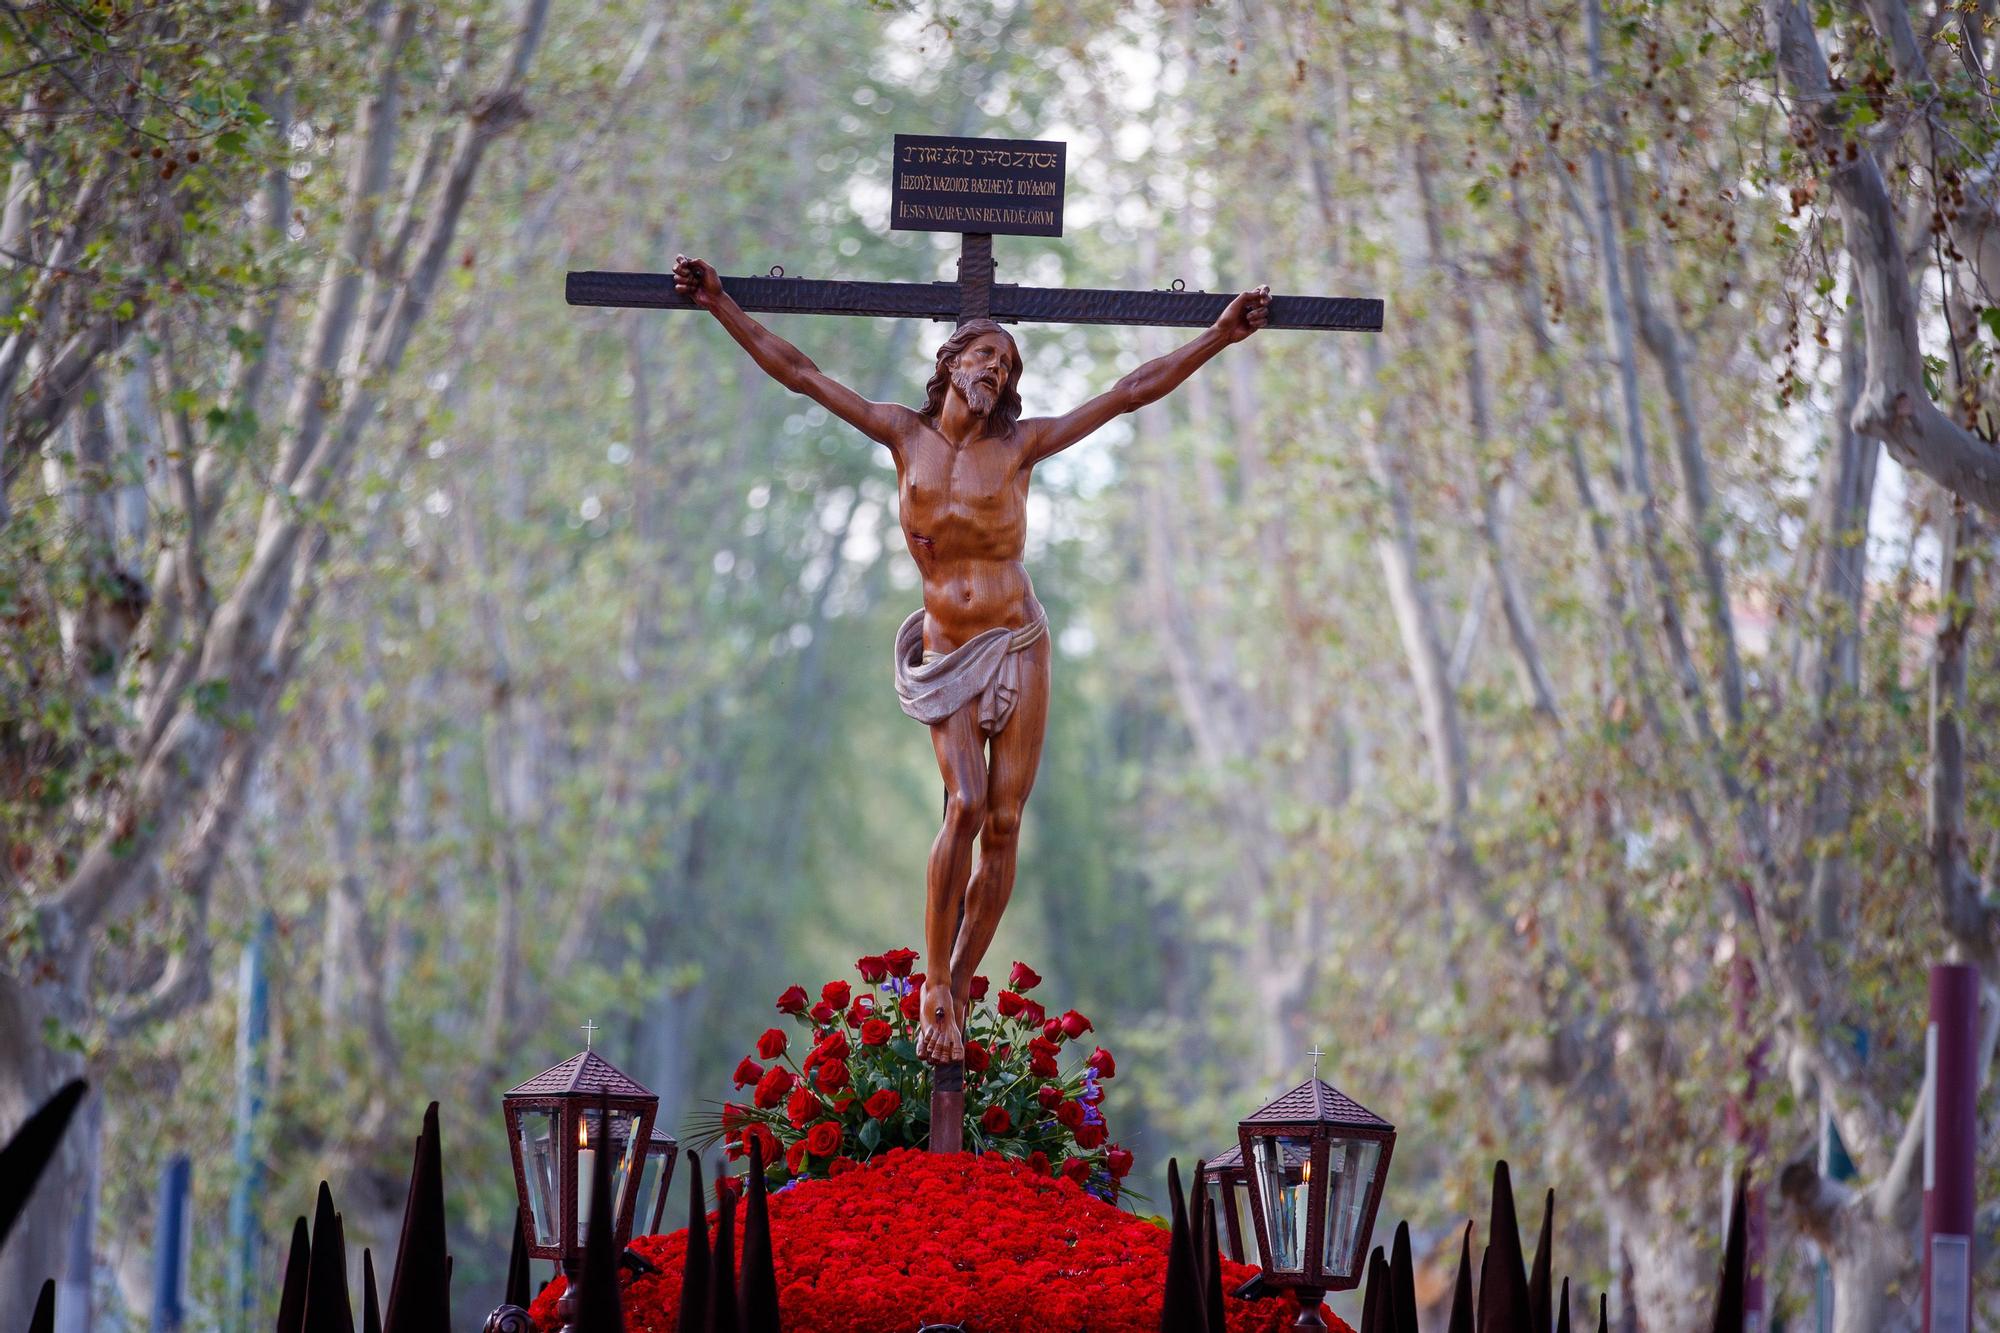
(941, 300)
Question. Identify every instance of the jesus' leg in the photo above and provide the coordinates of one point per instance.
(1017, 753)
(961, 756)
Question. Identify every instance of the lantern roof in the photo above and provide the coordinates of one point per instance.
(584, 1074)
(1230, 1159)
(1317, 1102)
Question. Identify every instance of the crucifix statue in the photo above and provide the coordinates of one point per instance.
(973, 663)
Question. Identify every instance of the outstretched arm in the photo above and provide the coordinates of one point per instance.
(884, 422)
(1150, 382)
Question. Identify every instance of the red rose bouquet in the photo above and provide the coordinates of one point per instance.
(846, 1083)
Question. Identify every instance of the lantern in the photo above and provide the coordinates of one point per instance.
(661, 1153)
(1228, 1187)
(557, 1122)
(1315, 1160)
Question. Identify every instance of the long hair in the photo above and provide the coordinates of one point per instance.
(1008, 410)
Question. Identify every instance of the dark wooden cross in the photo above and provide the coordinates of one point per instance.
(974, 296)
(939, 183)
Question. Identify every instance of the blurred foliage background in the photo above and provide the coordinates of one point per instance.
(1555, 707)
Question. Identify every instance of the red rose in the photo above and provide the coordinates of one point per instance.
(1032, 1012)
(1089, 1136)
(795, 1158)
(1042, 1046)
(1120, 1161)
(979, 987)
(1101, 1061)
(772, 1044)
(875, 1032)
(832, 1076)
(910, 1006)
(883, 1104)
(977, 1057)
(835, 993)
(843, 1101)
(1074, 1025)
(900, 961)
(802, 1108)
(822, 1013)
(823, 1139)
(748, 1072)
(1069, 1114)
(1038, 1162)
(1077, 1169)
(733, 1118)
(730, 1185)
(793, 1001)
(872, 968)
(833, 1046)
(1023, 977)
(771, 1088)
(764, 1138)
(1042, 1065)
(1049, 1095)
(1011, 1004)
(1052, 1030)
(996, 1120)
(840, 1166)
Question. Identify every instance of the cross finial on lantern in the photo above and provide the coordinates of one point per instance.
(1315, 1053)
(589, 1028)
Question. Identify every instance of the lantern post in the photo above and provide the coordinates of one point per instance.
(556, 1124)
(1315, 1161)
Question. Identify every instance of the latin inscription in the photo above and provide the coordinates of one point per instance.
(1010, 186)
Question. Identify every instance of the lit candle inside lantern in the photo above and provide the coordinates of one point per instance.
(1301, 1208)
(586, 1177)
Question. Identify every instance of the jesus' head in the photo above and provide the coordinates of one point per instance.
(980, 362)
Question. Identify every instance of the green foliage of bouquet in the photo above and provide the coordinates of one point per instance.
(851, 1085)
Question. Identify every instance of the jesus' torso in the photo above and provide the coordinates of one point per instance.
(964, 513)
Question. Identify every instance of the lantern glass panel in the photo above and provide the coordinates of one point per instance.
(1222, 1201)
(593, 1136)
(542, 1166)
(1284, 1168)
(1241, 1203)
(1351, 1167)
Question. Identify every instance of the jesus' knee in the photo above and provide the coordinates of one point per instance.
(965, 810)
(1003, 825)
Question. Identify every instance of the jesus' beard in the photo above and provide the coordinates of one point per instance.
(978, 394)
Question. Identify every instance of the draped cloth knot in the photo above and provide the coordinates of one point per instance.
(987, 667)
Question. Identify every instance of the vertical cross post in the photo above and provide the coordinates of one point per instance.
(975, 301)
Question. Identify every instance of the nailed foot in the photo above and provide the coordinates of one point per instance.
(940, 1036)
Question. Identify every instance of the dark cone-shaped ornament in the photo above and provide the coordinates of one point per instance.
(599, 1308)
(723, 1316)
(292, 1300)
(1375, 1301)
(371, 1310)
(1735, 1264)
(1503, 1278)
(1402, 1283)
(1211, 1268)
(757, 1294)
(31, 1150)
(1562, 1311)
(1541, 1312)
(328, 1306)
(694, 1273)
(1461, 1290)
(43, 1320)
(1180, 1302)
(420, 1289)
(1603, 1313)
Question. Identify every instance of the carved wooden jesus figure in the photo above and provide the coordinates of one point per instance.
(974, 662)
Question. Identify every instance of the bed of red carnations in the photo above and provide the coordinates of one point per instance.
(912, 1237)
